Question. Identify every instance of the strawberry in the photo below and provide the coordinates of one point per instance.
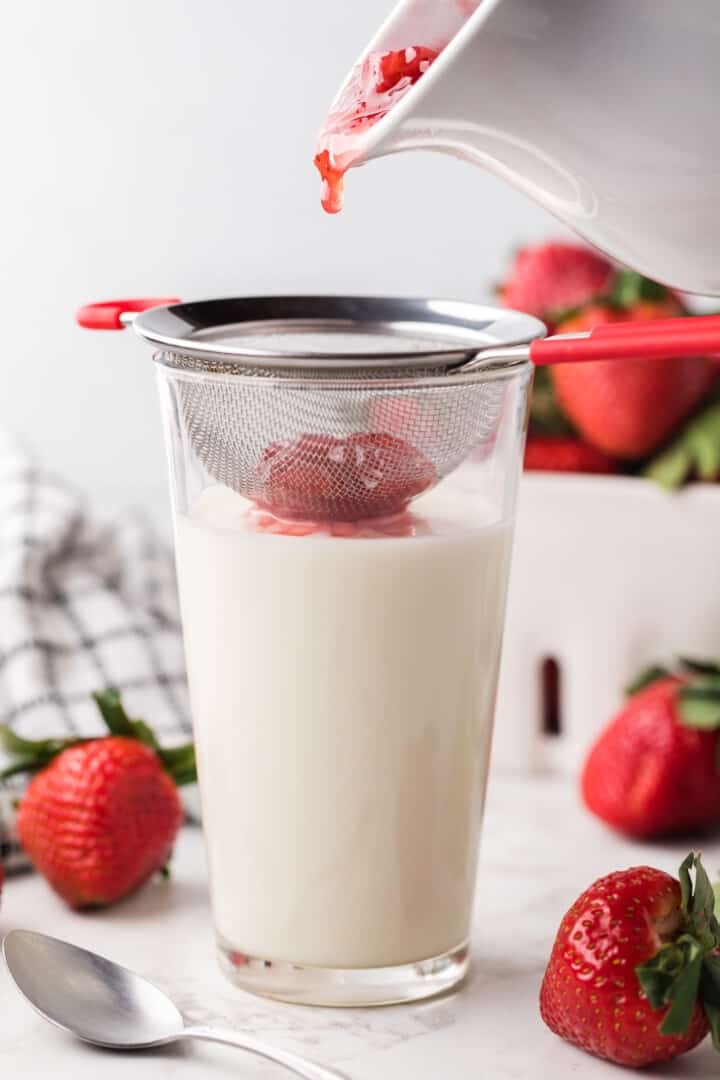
(549, 279)
(628, 408)
(633, 976)
(323, 478)
(563, 453)
(101, 815)
(654, 770)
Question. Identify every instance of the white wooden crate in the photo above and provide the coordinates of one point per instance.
(608, 575)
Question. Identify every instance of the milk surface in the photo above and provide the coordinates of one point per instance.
(342, 694)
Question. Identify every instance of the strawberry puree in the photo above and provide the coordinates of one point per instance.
(317, 477)
(374, 87)
(404, 524)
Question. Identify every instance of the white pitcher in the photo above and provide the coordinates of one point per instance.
(606, 112)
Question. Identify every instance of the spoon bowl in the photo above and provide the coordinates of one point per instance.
(103, 1003)
(90, 997)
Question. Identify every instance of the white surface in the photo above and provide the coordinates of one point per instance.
(491, 1030)
(609, 575)
(166, 147)
(378, 726)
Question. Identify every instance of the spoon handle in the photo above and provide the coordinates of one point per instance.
(300, 1066)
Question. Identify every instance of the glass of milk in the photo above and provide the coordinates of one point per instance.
(342, 673)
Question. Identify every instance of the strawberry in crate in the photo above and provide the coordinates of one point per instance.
(613, 416)
(655, 769)
(100, 815)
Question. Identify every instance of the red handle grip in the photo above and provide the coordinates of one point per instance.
(687, 325)
(106, 315)
(643, 341)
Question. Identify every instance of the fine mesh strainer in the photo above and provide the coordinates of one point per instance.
(344, 408)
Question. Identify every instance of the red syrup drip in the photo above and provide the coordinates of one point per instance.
(373, 89)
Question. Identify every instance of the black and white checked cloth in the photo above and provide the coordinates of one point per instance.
(84, 604)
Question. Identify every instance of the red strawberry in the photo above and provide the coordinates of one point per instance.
(563, 453)
(322, 478)
(102, 816)
(100, 820)
(627, 408)
(622, 980)
(654, 770)
(549, 279)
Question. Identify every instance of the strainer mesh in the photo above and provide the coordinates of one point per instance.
(349, 448)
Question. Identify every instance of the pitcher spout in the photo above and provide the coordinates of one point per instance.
(603, 114)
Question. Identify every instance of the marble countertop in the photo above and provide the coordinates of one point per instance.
(539, 852)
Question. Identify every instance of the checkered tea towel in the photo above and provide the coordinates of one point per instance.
(84, 604)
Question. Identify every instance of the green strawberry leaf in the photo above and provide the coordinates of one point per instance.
(686, 882)
(694, 453)
(683, 993)
(658, 974)
(710, 994)
(178, 755)
(32, 755)
(113, 712)
(711, 979)
(712, 1015)
(630, 288)
(23, 765)
(701, 921)
(688, 966)
(179, 761)
(646, 678)
(671, 469)
(15, 744)
(699, 706)
(145, 734)
(699, 667)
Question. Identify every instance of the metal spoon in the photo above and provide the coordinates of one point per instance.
(105, 1004)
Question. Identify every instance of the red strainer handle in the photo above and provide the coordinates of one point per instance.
(107, 315)
(692, 336)
(687, 325)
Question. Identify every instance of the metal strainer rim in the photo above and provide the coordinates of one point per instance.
(174, 330)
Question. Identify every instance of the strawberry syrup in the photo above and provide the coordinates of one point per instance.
(374, 87)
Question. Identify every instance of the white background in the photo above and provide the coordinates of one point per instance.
(164, 147)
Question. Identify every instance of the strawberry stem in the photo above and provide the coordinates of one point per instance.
(688, 967)
(178, 761)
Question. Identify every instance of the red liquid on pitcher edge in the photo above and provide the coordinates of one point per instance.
(374, 87)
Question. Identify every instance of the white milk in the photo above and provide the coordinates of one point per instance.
(343, 694)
